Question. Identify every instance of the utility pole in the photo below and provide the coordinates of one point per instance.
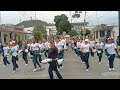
(35, 15)
(0, 19)
(84, 30)
(119, 27)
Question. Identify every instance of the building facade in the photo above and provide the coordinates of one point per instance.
(51, 30)
(78, 26)
(29, 30)
(103, 31)
(11, 32)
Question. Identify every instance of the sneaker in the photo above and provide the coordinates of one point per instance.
(8, 64)
(13, 71)
(113, 69)
(61, 67)
(4, 66)
(18, 69)
(110, 69)
(87, 70)
(83, 62)
(99, 62)
(39, 68)
(35, 70)
(26, 64)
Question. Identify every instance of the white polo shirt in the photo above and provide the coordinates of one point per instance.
(110, 48)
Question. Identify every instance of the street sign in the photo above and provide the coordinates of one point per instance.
(84, 31)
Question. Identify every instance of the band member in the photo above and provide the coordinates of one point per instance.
(85, 50)
(111, 50)
(92, 42)
(14, 51)
(35, 53)
(25, 53)
(99, 47)
(53, 54)
(6, 54)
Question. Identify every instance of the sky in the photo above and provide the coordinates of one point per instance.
(93, 17)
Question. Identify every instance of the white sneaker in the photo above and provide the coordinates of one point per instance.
(99, 62)
(8, 64)
(83, 62)
(113, 69)
(87, 70)
(13, 71)
(110, 69)
(61, 67)
(39, 68)
(26, 64)
(4, 66)
(35, 70)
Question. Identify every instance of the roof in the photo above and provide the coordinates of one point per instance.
(12, 29)
(79, 23)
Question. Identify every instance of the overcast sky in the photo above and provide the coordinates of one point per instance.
(93, 17)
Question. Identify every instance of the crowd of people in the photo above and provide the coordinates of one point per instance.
(84, 47)
(54, 49)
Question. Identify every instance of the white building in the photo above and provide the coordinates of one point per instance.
(29, 31)
(101, 31)
(51, 30)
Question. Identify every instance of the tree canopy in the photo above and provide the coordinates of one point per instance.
(73, 33)
(39, 32)
(62, 23)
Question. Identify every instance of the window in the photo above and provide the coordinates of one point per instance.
(102, 33)
(109, 33)
(10, 35)
(96, 34)
(0, 38)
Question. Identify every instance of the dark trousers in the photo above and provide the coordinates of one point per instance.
(15, 65)
(100, 56)
(111, 60)
(75, 50)
(25, 57)
(61, 54)
(53, 67)
(40, 59)
(46, 53)
(35, 61)
(78, 52)
(5, 61)
(92, 53)
(85, 58)
(81, 56)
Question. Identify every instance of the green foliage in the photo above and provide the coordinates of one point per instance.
(20, 43)
(62, 23)
(73, 33)
(87, 32)
(5, 35)
(39, 32)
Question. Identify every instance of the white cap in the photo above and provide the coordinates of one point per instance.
(86, 40)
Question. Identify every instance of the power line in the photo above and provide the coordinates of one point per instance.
(102, 15)
(0, 19)
(25, 17)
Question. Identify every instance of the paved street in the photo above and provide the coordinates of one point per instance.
(73, 68)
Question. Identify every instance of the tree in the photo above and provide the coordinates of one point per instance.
(73, 33)
(62, 23)
(39, 32)
(87, 32)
